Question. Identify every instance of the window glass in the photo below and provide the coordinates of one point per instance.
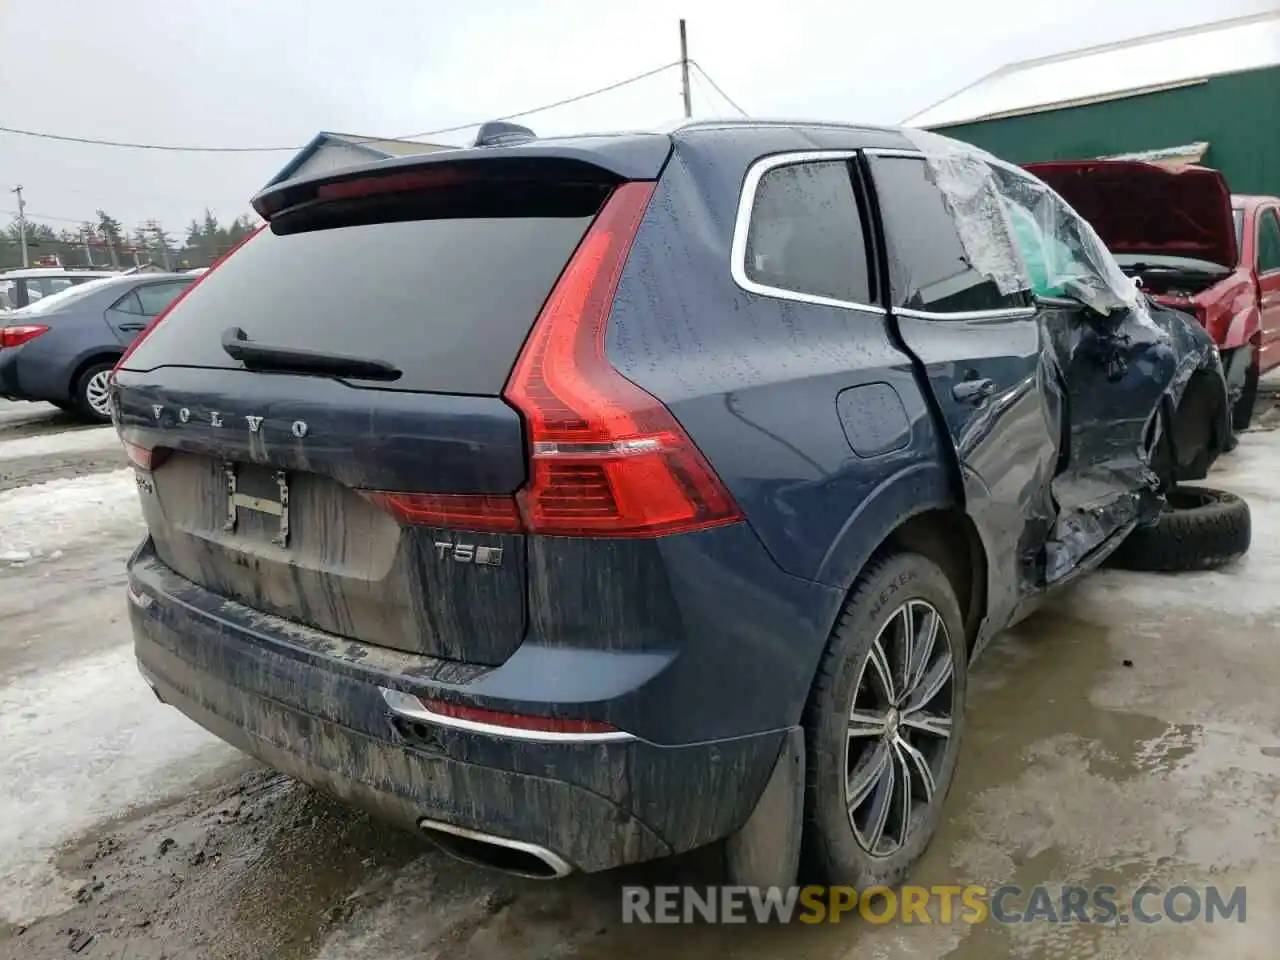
(448, 300)
(129, 303)
(806, 234)
(1268, 242)
(928, 267)
(154, 297)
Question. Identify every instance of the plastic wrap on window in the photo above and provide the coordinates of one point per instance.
(1077, 262)
(970, 190)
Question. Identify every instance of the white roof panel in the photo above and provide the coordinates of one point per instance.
(1157, 62)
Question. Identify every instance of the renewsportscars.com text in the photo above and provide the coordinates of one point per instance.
(942, 904)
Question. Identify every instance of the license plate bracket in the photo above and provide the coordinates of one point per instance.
(238, 500)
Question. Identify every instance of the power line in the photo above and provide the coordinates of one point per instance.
(716, 86)
(48, 216)
(549, 106)
(175, 148)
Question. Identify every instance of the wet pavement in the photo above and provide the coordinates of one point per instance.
(1129, 733)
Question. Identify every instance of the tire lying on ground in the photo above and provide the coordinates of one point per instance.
(1199, 529)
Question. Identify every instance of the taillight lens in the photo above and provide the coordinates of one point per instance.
(478, 512)
(17, 336)
(608, 459)
(144, 458)
(155, 322)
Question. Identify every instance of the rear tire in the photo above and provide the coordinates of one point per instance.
(92, 398)
(1200, 529)
(877, 720)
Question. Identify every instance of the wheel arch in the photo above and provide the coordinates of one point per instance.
(916, 511)
(87, 360)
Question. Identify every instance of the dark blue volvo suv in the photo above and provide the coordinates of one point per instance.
(582, 501)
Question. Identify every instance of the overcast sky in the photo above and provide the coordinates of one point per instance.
(274, 72)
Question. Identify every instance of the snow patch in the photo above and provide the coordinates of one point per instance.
(44, 518)
(92, 440)
(83, 744)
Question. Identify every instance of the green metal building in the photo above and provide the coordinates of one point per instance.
(1208, 94)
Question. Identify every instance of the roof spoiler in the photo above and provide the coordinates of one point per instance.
(506, 155)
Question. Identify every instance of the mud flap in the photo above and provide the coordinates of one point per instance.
(766, 851)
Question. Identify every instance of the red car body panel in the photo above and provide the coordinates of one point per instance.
(1186, 211)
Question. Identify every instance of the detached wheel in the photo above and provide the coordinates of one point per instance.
(1199, 529)
(883, 725)
(92, 398)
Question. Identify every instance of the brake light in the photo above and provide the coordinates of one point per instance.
(17, 336)
(144, 458)
(155, 322)
(393, 183)
(608, 459)
(479, 512)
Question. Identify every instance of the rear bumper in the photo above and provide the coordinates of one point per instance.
(315, 711)
(9, 387)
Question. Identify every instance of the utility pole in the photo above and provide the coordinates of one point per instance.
(22, 224)
(684, 71)
(88, 256)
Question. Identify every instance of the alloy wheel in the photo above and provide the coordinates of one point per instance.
(899, 727)
(97, 393)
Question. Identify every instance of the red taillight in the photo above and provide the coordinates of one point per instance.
(17, 336)
(144, 458)
(155, 322)
(515, 721)
(608, 459)
(490, 514)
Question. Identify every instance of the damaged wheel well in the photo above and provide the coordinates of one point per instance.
(949, 539)
(1194, 434)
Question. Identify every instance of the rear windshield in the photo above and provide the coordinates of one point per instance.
(448, 302)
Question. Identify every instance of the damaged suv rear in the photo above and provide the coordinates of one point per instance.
(622, 495)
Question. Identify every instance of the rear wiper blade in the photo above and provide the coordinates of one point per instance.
(271, 359)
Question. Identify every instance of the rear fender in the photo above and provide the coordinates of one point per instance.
(912, 491)
(1231, 310)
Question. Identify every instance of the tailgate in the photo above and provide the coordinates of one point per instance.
(371, 505)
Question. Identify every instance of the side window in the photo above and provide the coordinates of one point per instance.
(928, 267)
(54, 285)
(129, 303)
(805, 234)
(156, 296)
(1042, 228)
(1268, 242)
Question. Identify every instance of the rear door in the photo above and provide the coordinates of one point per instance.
(130, 315)
(983, 353)
(373, 505)
(1268, 266)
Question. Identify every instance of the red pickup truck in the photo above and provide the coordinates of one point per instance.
(1193, 246)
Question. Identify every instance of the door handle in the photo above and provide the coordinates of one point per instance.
(973, 391)
(130, 327)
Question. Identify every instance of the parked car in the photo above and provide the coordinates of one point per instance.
(61, 348)
(621, 495)
(1192, 246)
(21, 288)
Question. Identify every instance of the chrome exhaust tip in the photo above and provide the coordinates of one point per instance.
(515, 857)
